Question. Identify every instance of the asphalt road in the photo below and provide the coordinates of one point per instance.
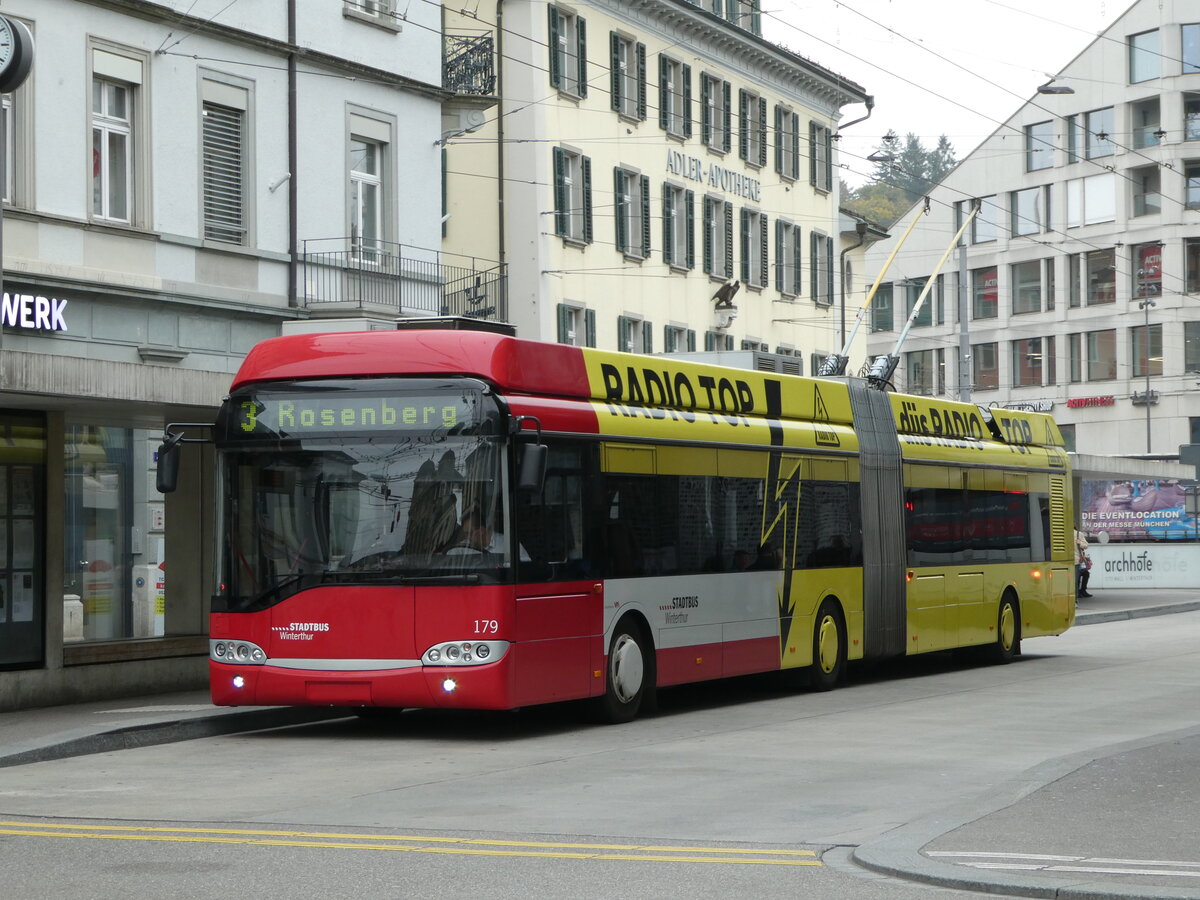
(734, 789)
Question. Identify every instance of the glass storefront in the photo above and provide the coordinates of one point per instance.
(22, 546)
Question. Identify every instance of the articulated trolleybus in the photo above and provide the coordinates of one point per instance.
(439, 518)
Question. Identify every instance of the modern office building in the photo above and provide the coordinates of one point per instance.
(1076, 288)
(182, 180)
(657, 178)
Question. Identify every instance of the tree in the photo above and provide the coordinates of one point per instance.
(912, 168)
(882, 203)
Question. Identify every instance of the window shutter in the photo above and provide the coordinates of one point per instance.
(589, 327)
(828, 137)
(710, 342)
(763, 263)
(686, 106)
(829, 271)
(556, 75)
(645, 180)
(641, 81)
(709, 216)
(744, 241)
(795, 145)
(224, 205)
(706, 123)
(616, 85)
(691, 340)
(727, 112)
(647, 337)
(689, 205)
(624, 334)
(561, 200)
(797, 260)
(762, 131)
(581, 51)
(743, 125)
(669, 339)
(779, 139)
(669, 250)
(812, 153)
(564, 323)
(779, 274)
(814, 255)
(664, 92)
(620, 209)
(586, 167)
(728, 240)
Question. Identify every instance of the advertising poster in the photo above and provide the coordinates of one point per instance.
(1136, 511)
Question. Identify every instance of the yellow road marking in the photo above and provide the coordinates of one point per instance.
(414, 844)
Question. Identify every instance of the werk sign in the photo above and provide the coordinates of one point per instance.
(33, 313)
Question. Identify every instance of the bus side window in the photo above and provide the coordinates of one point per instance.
(552, 526)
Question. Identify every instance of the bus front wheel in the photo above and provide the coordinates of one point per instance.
(829, 648)
(1008, 630)
(630, 680)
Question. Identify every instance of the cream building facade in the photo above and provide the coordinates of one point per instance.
(1080, 275)
(646, 159)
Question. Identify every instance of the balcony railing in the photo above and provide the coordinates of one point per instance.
(468, 66)
(378, 276)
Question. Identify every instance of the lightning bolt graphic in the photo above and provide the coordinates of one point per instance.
(781, 509)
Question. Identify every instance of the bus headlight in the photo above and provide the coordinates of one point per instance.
(236, 652)
(464, 653)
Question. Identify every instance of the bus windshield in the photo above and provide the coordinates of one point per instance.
(408, 486)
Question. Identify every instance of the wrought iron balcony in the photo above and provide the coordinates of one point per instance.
(468, 67)
(378, 276)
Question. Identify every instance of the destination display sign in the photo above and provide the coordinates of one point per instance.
(288, 415)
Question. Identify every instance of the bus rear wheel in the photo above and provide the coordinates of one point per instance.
(1008, 630)
(629, 683)
(829, 648)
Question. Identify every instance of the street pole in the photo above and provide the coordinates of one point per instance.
(1145, 306)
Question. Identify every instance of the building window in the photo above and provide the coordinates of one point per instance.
(718, 237)
(224, 156)
(628, 87)
(1191, 263)
(717, 340)
(576, 325)
(1191, 347)
(366, 200)
(1144, 56)
(679, 227)
(1147, 130)
(372, 9)
(1147, 190)
(1190, 35)
(881, 309)
(820, 259)
(678, 339)
(754, 248)
(112, 159)
(674, 97)
(1051, 287)
(1075, 349)
(572, 196)
(820, 157)
(788, 280)
(716, 114)
(985, 369)
(1101, 276)
(787, 143)
(634, 335)
(1147, 271)
(1102, 355)
(568, 52)
(984, 296)
(1030, 209)
(1098, 132)
(631, 193)
(919, 370)
(913, 290)
(1074, 280)
(1147, 356)
(983, 226)
(1039, 146)
(1191, 174)
(1026, 279)
(1092, 199)
(1027, 362)
(752, 128)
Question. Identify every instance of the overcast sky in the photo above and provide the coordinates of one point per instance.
(1011, 46)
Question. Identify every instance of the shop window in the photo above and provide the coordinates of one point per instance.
(985, 367)
(984, 293)
(1147, 357)
(22, 541)
(1101, 276)
(1102, 355)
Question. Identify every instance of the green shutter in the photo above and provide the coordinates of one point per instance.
(689, 204)
(727, 112)
(645, 180)
(710, 343)
(763, 270)
(669, 341)
(812, 153)
(706, 123)
(779, 285)
(687, 101)
(668, 248)
(586, 166)
(647, 337)
(829, 271)
(640, 54)
(779, 139)
(616, 87)
(813, 260)
(743, 125)
(619, 209)
(664, 92)
(709, 215)
(589, 323)
(795, 145)
(828, 138)
(555, 60)
(744, 244)
(691, 340)
(581, 51)
(762, 131)
(797, 261)
(561, 201)
(564, 323)
(728, 273)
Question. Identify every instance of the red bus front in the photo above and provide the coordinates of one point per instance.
(364, 556)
